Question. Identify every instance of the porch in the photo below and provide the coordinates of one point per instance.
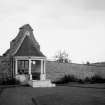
(32, 70)
(27, 60)
(34, 67)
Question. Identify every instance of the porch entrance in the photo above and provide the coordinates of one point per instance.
(33, 68)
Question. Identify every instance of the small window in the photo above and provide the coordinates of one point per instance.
(27, 33)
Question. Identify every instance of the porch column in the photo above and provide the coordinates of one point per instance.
(44, 67)
(41, 66)
(16, 67)
(30, 75)
(42, 75)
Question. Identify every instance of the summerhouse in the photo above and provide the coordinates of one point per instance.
(28, 63)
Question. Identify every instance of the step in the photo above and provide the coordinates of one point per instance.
(41, 83)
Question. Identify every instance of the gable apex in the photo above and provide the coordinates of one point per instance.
(26, 27)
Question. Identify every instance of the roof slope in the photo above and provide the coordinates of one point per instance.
(24, 38)
(27, 48)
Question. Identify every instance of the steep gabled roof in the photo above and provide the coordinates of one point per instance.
(24, 44)
(27, 48)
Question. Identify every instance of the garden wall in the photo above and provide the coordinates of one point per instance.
(57, 70)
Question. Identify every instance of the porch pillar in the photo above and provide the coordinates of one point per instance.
(44, 67)
(16, 67)
(44, 62)
(30, 75)
(42, 75)
(41, 66)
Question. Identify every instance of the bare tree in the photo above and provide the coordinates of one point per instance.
(62, 57)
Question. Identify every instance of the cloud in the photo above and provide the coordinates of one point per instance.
(13, 7)
(86, 4)
(94, 5)
(67, 14)
(79, 23)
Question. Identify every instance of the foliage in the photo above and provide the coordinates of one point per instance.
(10, 81)
(95, 79)
(62, 57)
(72, 78)
(66, 79)
(87, 63)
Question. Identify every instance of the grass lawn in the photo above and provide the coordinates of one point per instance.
(60, 95)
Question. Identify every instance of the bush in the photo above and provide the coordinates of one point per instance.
(10, 81)
(66, 79)
(97, 79)
(72, 78)
(81, 81)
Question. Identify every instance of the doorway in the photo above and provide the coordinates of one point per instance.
(23, 68)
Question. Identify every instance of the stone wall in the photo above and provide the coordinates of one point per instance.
(5, 70)
(57, 70)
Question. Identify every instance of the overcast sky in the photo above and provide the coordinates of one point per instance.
(76, 26)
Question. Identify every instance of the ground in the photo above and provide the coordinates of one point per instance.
(60, 95)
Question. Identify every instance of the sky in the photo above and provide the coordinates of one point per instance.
(76, 26)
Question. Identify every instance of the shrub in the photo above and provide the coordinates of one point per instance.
(81, 81)
(97, 79)
(72, 78)
(10, 81)
(66, 79)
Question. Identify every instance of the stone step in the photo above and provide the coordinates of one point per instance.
(41, 83)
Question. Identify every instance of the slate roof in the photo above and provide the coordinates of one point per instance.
(23, 44)
(27, 48)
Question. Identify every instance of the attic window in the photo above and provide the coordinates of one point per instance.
(27, 33)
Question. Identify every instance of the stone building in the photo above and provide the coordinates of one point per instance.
(27, 62)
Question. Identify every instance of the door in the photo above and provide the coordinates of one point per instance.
(35, 69)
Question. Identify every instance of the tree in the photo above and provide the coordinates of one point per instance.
(87, 63)
(62, 57)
